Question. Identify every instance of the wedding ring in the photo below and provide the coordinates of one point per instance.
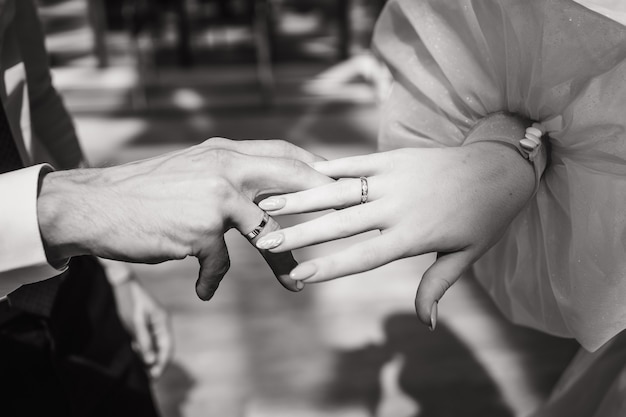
(364, 190)
(257, 230)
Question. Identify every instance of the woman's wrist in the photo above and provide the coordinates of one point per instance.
(518, 133)
(508, 172)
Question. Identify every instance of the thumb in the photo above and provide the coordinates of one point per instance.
(214, 263)
(436, 281)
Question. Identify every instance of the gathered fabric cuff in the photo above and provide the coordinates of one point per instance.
(528, 138)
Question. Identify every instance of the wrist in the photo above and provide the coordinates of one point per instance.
(518, 133)
(64, 213)
(506, 169)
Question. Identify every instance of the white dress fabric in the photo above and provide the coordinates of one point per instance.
(561, 265)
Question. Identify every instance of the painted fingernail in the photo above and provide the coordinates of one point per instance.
(270, 241)
(303, 271)
(433, 316)
(272, 203)
(299, 285)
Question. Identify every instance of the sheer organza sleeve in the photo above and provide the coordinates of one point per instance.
(561, 266)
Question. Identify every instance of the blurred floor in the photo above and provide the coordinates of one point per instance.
(347, 348)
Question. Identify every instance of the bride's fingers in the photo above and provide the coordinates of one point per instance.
(360, 257)
(335, 225)
(339, 194)
(437, 279)
(353, 166)
(281, 264)
(214, 263)
(246, 217)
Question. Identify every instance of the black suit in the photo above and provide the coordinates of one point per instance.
(63, 349)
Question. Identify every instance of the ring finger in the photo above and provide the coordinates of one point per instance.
(343, 193)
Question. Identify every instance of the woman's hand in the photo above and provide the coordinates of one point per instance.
(453, 201)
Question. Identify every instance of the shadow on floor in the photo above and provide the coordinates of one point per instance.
(438, 372)
(177, 384)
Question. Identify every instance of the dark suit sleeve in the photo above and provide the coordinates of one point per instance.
(51, 122)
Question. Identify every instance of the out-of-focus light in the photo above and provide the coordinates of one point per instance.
(187, 99)
(202, 123)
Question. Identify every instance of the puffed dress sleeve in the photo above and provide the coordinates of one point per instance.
(561, 265)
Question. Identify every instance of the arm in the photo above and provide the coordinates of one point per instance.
(172, 206)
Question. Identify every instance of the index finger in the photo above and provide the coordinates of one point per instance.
(258, 175)
(265, 147)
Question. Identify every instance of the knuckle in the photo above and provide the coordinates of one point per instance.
(216, 142)
(282, 146)
(297, 166)
(219, 188)
(221, 157)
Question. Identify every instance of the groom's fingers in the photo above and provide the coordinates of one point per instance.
(268, 148)
(287, 175)
(353, 166)
(214, 263)
(256, 175)
(280, 263)
(246, 217)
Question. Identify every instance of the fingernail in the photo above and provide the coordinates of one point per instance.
(433, 317)
(303, 271)
(272, 203)
(299, 285)
(270, 241)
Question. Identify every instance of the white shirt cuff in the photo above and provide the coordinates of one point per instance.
(22, 255)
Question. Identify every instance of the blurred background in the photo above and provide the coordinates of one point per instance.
(143, 77)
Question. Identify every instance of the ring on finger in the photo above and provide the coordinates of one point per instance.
(257, 230)
(364, 190)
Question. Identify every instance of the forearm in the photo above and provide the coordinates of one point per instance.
(68, 213)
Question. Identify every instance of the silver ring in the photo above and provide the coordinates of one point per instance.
(364, 190)
(257, 230)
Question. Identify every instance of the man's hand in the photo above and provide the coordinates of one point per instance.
(174, 205)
